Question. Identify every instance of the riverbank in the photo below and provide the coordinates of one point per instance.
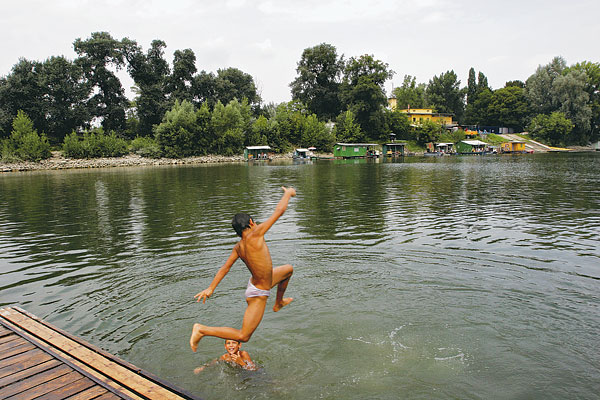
(57, 161)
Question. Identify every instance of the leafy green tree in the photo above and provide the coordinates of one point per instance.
(538, 87)
(261, 131)
(592, 87)
(204, 135)
(362, 92)
(410, 94)
(184, 68)
(231, 83)
(150, 73)
(24, 141)
(444, 94)
(175, 134)
(347, 129)
(318, 82)
(317, 134)
(21, 90)
(515, 83)
(228, 126)
(64, 95)
(204, 89)
(569, 92)
(471, 87)
(96, 57)
(553, 129)
(398, 124)
(427, 132)
(507, 107)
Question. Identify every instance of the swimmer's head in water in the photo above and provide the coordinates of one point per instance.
(232, 346)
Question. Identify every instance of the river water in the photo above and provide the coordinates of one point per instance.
(458, 277)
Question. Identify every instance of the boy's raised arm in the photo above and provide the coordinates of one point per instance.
(206, 293)
(279, 209)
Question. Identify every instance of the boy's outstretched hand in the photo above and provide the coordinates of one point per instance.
(291, 191)
(206, 293)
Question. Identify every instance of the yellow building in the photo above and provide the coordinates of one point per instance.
(417, 116)
(513, 147)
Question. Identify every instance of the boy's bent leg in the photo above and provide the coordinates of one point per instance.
(281, 278)
(252, 317)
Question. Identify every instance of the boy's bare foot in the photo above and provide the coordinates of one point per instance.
(196, 336)
(278, 306)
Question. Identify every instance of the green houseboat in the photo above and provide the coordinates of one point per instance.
(353, 150)
(393, 149)
(257, 153)
(471, 147)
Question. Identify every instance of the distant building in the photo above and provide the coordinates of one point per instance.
(417, 116)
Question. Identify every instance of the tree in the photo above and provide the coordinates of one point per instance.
(318, 82)
(471, 87)
(397, 123)
(444, 94)
(63, 100)
(568, 91)
(508, 107)
(204, 89)
(410, 94)
(231, 83)
(427, 132)
(150, 73)
(96, 56)
(184, 68)
(24, 141)
(553, 129)
(228, 126)
(538, 87)
(592, 87)
(316, 133)
(347, 129)
(362, 92)
(175, 134)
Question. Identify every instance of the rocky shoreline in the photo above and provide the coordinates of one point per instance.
(57, 161)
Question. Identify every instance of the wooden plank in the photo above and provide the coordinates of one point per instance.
(47, 387)
(89, 394)
(107, 396)
(4, 331)
(22, 361)
(68, 390)
(27, 372)
(8, 338)
(28, 383)
(138, 371)
(109, 384)
(16, 350)
(13, 343)
(117, 372)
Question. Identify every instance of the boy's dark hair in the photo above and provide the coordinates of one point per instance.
(240, 222)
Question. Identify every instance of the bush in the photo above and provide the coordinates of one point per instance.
(24, 142)
(94, 144)
(145, 147)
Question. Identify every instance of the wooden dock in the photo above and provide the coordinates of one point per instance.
(40, 361)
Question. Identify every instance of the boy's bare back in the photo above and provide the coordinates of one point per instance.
(253, 250)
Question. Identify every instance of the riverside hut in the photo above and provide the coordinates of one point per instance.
(394, 149)
(513, 146)
(257, 153)
(471, 147)
(354, 150)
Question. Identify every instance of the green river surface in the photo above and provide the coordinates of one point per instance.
(473, 277)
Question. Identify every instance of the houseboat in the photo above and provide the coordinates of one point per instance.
(258, 153)
(355, 150)
(394, 149)
(471, 147)
(302, 154)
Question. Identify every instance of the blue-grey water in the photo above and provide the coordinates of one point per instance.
(458, 277)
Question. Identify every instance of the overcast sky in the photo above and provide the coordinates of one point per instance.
(506, 40)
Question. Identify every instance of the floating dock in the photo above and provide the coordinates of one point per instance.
(40, 361)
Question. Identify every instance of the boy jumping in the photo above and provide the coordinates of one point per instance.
(253, 250)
